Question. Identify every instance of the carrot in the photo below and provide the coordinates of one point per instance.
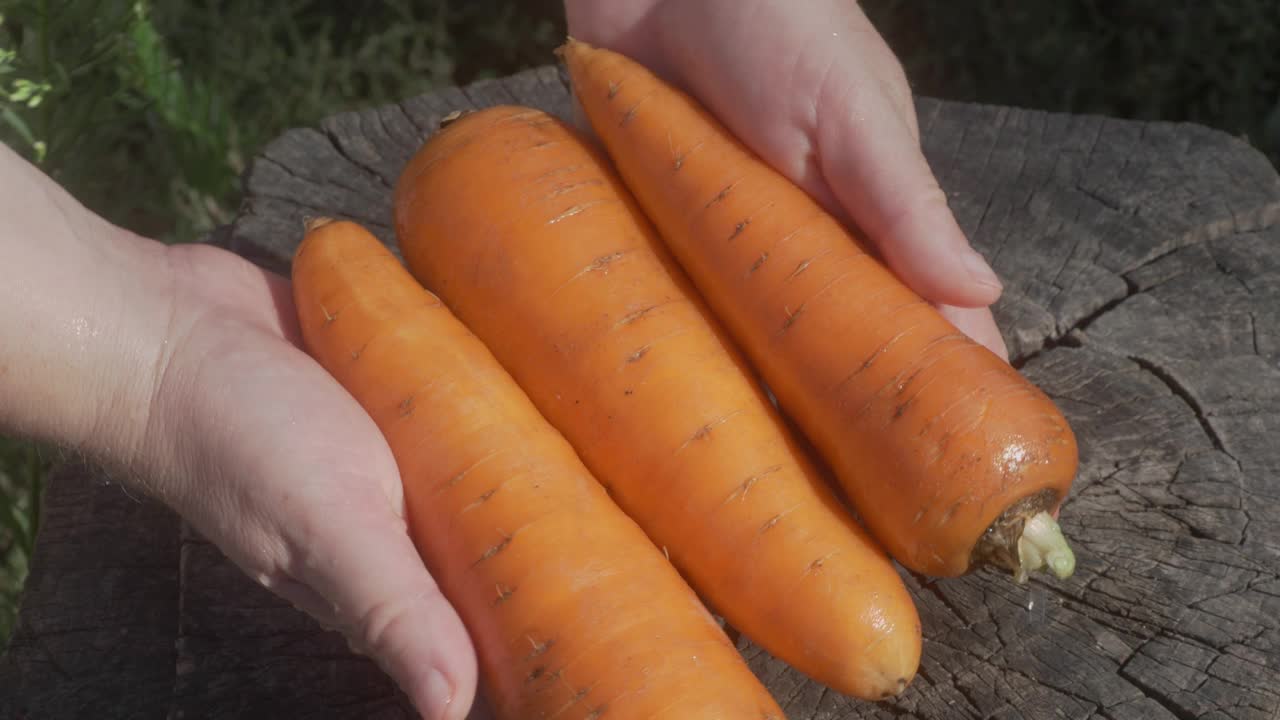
(575, 614)
(531, 239)
(950, 456)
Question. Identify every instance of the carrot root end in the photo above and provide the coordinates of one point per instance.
(1026, 538)
(1043, 545)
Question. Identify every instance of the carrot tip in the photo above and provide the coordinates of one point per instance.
(315, 223)
(897, 690)
(564, 46)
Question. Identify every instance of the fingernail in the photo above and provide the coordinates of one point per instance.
(979, 270)
(435, 698)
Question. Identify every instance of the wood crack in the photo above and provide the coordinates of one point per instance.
(1260, 219)
(341, 150)
(1161, 699)
(424, 130)
(280, 194)
(186, 535)
(1183, 393)
(932, 587)
(283, 197)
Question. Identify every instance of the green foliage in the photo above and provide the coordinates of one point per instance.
(103, 74)
(146, 111)
(22, 471)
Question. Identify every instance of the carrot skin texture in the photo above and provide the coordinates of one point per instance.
(931, 436)
(525, 232)
(574, 613)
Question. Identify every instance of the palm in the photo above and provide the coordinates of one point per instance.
(263, 417)
(288, 474)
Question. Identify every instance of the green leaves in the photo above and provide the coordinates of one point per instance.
(22, 470)
(19, 126)
(28, 92)
(147, 110)
(17, 94)
(192, 118)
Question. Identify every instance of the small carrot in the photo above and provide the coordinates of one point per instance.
(575, 614)
(951, 457)
(525, 232)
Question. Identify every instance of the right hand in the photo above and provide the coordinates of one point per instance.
(815, 91)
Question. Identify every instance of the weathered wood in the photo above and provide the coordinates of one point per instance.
(348, 167)
(1142, 264)
(242, 653)
(100, 611)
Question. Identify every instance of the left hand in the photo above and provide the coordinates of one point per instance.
(180, 369)
(816, 92)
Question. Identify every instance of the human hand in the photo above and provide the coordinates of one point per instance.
(272, 460)
(179, 368)
(815, 91)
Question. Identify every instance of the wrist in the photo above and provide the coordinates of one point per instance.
(139, 311)
(88, 305)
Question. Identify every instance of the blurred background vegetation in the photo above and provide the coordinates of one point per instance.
(147, 111)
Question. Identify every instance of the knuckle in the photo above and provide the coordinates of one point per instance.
(379, 630)
(928, 198)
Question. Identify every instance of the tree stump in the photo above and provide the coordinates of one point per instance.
(1142, 267)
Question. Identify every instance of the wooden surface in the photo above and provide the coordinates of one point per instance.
(1142, 265)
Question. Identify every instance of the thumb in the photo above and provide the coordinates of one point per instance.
(390, 608)
(978, 324)
(872, 162)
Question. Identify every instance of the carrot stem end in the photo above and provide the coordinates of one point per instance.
(1042, 545)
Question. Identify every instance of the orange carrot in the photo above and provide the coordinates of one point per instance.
(575, 614)
(530, 238)
(951, 457)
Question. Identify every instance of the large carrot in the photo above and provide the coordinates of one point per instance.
(524, 231)
(951, 457)
(575, 614)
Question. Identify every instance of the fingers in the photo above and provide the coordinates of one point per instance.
(870, 158)
(978, 324)
(884, 65)
(842, 125)
(868, 146)
(348, 541)
(365, 579)
(390, 608)
(289, 476)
